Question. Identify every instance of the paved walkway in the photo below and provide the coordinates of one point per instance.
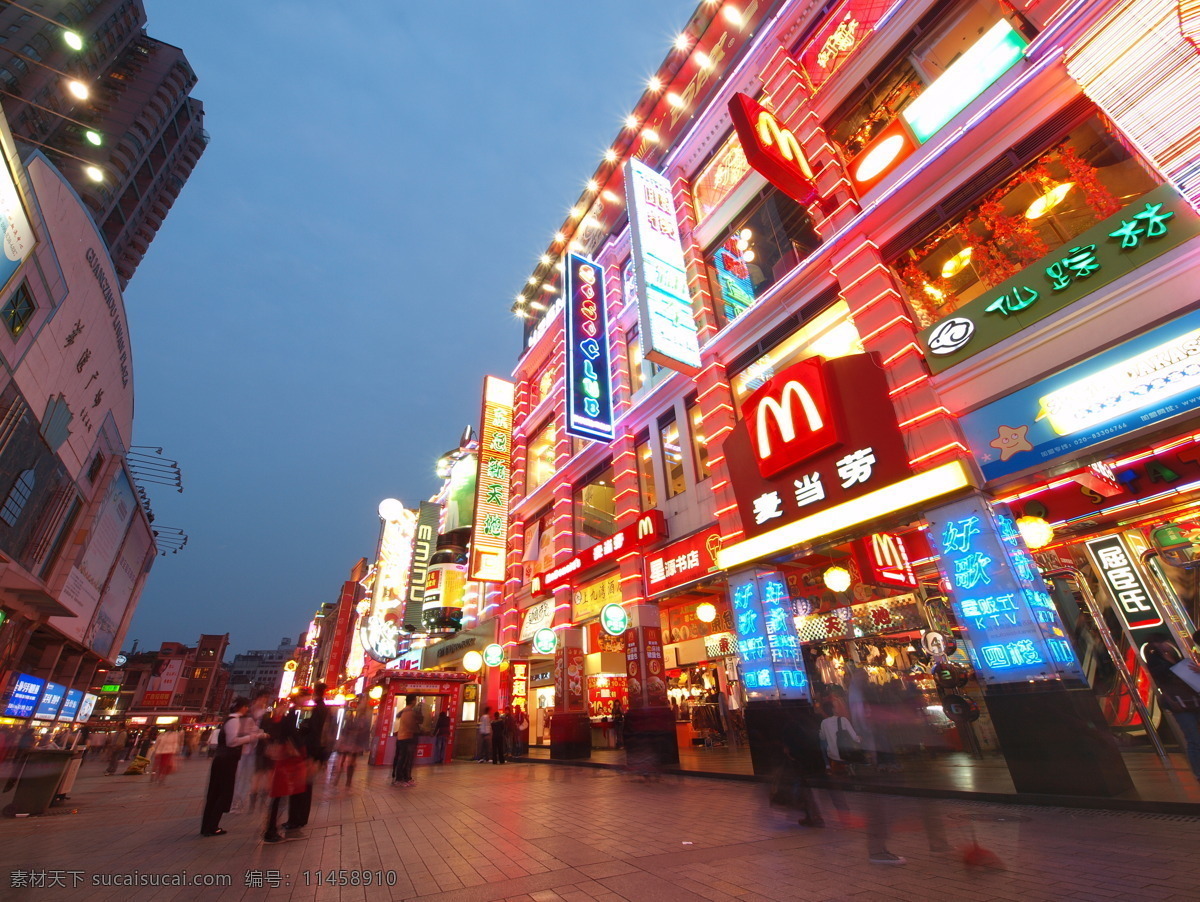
(537, 833)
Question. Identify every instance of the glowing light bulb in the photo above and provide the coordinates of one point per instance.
(837, 579)
(78, 89)
(957, 263)
(1048, 201)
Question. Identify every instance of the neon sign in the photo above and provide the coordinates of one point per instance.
(768, 646)
(999, 596)
(772, 149)
(733, 277)
(782, 439)
(589, 378)
(490, 539)
(665, 316)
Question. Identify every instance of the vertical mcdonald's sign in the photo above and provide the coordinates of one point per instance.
(589, 374)
(772, 149)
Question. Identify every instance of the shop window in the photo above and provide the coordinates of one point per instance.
(19, 310)
(639, 366)
(829, 334)
(719, 178)
(918, 60)
(647, 488)
(539, 457)
(541, 385)
(18, 495)
(668, 431)
(539, 543)
(1084, 179)
(764, 244)
(699, 439)
(595, 510)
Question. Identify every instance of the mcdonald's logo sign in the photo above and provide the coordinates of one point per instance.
(772, 149)
(790, 419)
(888, 562)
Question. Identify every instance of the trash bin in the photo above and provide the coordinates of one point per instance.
(38, 782)
(70, 773)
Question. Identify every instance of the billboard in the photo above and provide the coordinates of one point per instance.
(492, 484)
(16, 235)
(425, 535)
(589, 370)
(665, 318)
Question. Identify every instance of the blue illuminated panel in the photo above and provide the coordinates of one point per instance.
(589, 373)
(999, 596)
(768, 645)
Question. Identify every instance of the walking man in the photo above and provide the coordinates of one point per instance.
(408, 727)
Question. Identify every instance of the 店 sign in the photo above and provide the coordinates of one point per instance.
(1141, 382)
(589, 377)
(490, 538)
(682, 562)
(772, 149)
(591, 597)
(1147, 228)
(668, 327)
(838, 38)
(815, 459)
(648, 528)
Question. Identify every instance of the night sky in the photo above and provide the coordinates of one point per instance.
(312, 324)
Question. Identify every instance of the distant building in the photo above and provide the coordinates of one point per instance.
(152, 131)
(183, 683)
(261, 670)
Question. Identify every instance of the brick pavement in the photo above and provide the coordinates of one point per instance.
(536, 833)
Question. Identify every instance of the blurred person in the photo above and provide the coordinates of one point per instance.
(289, 766)
(499, 736)
(18, 752)
(310, 735)
(521, 728)
(483, 744)
(247, 769)
(223, 774)
(836, 727)
(165, 751)
(1175, 693)
(441, 736)
(116, 749)
(354, 741)
(408, 728)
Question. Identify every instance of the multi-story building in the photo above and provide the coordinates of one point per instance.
(177, 683)
(150, 132)
(261, 670)
(867, 302)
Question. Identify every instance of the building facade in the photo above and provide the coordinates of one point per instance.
(260, 670)
(862, 368)
(150, 130)
(176, 684)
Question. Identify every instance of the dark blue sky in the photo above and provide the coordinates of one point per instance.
(312, 324)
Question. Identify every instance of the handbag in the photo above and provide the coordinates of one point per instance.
(849, 749)
(290, 776)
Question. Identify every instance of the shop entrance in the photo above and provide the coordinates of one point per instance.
(435, 691)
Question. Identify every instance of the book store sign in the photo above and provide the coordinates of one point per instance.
(1147, 228)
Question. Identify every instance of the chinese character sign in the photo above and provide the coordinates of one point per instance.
(1122, 577)
(589, 376)
(492, 483)
(664, 301)
(999, 596)
(23, 694)
(767, 643)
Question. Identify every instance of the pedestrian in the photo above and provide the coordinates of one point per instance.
(354, 741)
(1164, 662)
(146, 740)
(251, 723)
(483, 745)
(165, 750)
(116, 748)
(521, 737)
(289, 766)
(190, 739)
(23, 746)
(310, 731)
(499, 736)
(408, 728)
(223, 775)
(839, 739)
(618, 721)
(441, 736)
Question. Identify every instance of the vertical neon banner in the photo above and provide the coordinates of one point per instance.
(768, 646)
(589, 373)
(999, 596)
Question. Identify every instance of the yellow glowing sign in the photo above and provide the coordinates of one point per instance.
(890, 499)
(492, 486)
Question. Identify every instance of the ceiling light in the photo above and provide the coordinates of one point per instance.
(78, 89)
(73, 40)
(610, 196)
(93, 137)
(650, 135)
(592, 185)
(703, 60)
(957, 263)
(837, 579)
(655, 83)
(521, 299)
(532, 280)
(558, 237)
(544, 259)
(1048, 201)
(575, 212)
(95, 173)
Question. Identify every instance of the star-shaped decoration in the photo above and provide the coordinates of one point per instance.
(1009, 440)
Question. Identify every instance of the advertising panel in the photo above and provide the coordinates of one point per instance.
(379, 630)
(490, 539)
(839, 37)
(682, 562)
(22, 695)
(16, 236)
(86, 707)
(536, 617)
(160, 688)
(70, 706)
(589, 360)
(591, 597)
(665, 318)
(1145, 229)
(998, 595)
(136, 554)
(1118, 569)
(1141, 382)
(50, 702)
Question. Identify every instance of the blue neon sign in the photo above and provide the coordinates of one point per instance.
(589, 371)
(768, 646)
(52, 698)
(70, 705)
(999, 596)
(23, 694)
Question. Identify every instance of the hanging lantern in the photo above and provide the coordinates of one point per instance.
(1036, 532)
(837, 579)
(376, 693)
(706, 612)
